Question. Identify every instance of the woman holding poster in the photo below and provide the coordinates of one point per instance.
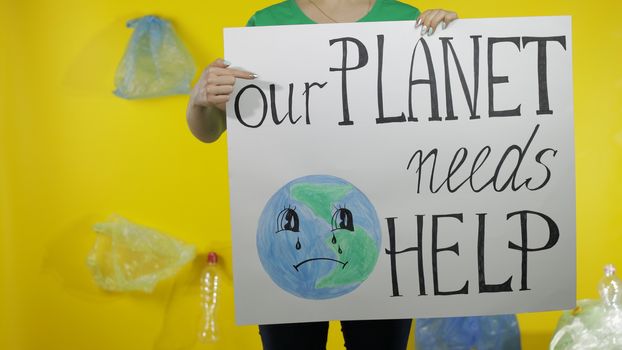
(206, 119)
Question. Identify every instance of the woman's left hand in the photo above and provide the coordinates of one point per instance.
(429, 20)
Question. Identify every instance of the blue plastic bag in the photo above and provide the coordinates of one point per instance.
(156, 63)
(468, 333)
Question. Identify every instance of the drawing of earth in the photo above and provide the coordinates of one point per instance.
(318, 237)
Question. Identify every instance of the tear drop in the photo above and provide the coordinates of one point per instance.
(298, 245)
(334, 240)
(339, 249)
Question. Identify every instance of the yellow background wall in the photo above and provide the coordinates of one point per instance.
(71, 154)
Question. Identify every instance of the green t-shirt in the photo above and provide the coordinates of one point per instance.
(288, 12)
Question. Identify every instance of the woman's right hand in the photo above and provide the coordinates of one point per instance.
(216, 84)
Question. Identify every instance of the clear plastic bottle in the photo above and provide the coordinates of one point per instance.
(208, 332)
(610, 289)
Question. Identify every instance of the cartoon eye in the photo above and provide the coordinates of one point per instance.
(287, 220)
(342, 220)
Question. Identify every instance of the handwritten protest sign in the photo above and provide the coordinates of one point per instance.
(375, 173)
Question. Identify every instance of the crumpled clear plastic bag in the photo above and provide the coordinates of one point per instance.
(468, 333)
(156, 62)
(130, 257)
(593, 324)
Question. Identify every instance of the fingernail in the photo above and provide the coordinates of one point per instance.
(430, 31)
(226, 63)
(254, 76)
(418, 23)
(443, 25)
(424, 30)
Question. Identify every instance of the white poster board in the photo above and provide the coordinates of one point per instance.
(375, 173)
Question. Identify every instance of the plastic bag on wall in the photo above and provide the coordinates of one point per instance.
(156, 62)
(129, 257)
(468, 333)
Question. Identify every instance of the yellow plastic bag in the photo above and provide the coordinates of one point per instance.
(130, 257)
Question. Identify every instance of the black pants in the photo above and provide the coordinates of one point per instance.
(358, 335)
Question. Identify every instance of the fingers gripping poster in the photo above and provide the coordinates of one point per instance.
(375, 173)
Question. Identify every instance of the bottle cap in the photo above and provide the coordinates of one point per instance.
(212, 258)
(610, 270)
